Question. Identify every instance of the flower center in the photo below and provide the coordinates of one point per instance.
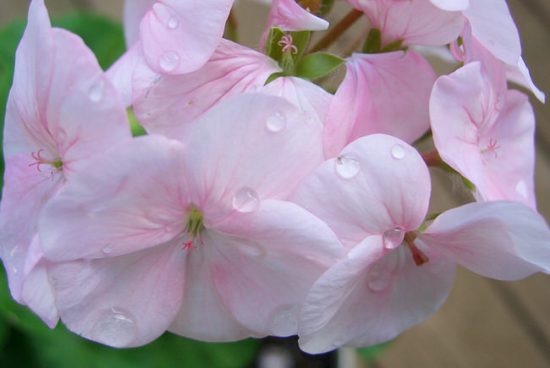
(193, 227)
(40, 160)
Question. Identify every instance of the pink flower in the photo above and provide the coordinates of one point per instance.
(178, 36)
(381, 93)
(485, 131)
(290, 16)
(169, 105)
(197, 237)
(415, 22)
(375, 196)
(61, 111)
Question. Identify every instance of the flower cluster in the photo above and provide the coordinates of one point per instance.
(258, 203)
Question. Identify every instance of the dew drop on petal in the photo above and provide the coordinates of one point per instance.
(115, 328)
(378, 277)
(169, 61)
(172, 23)
(108, 249)
(398, 152)
(95, 93)
(393, 238)
(246, 200)
(276, 122)
(14, 270)
(285, 320)
(347, 167)
(521, 189)
(251, 249)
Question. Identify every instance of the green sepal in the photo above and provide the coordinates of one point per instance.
(274, 50)
(373, 43)
(274, 76)
(317, 65)
(135, 126)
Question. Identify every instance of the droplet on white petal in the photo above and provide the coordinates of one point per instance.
(521, 189)
(347, 166)
(276, 122)
(246, 200)
(284, 321)
(172, 23)
(95, 94)
(108, 249)
(169, 61)
(398, 152)
(251, 249)
(378, 277)
(115, 328)
(393, 238)
(14, 270)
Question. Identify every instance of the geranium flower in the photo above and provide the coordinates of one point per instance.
(61, 111)
(194, 237)
(375, 197)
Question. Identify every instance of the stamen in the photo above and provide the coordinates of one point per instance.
(492, 147)
(286, 43)
(419, 258)
(40, 160)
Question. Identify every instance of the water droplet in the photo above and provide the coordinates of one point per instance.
(347, 167)
(169, 61)
(378, 278)
(14, 250)
(246, 200)
(14, 270)
(172, 23)
(168, 229)
(393, 238)
(285, 320)
(115, 328)
(276, 122)
(108, 249)
(96, 92)
(398, 152)
(521, 189)
(252, 249)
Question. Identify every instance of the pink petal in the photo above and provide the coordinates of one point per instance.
(313, 100)
(266, 261)
(520, 74)
(180, 36)
(168, 104)
(120, 74)
(371, 297)
(124, 201)
(249, 148)
(501, 240)
(493, 26)
(485, 135)
(451, 5)
(37, 292)
(84, 112)
(382, 93)
(416, 22)
(290, 16)
(121, 301)
(24, 193)
(378, 183)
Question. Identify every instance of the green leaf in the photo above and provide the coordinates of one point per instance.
(372, 352)
(274, 76)
(318, 65)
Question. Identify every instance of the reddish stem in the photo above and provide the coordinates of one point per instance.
(338, 30)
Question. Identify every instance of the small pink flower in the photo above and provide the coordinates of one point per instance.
(61, 111)
(375, 196)
(196, 238)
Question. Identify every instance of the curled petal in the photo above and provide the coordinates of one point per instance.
(501, 240)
